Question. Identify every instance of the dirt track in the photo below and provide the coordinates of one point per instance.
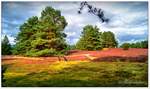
(133, 54)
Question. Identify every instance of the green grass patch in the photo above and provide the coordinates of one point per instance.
(77, 74)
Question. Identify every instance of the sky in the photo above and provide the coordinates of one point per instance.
(128, 20)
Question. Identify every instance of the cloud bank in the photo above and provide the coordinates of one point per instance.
(128, 20)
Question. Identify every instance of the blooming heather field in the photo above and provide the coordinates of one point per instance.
(44, 71)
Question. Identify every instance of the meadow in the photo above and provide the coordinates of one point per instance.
(74, 74)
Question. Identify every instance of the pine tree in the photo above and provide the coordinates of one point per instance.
(108, 40)
(93, 39)
(42, 36)
(6, 47)
(90, 39)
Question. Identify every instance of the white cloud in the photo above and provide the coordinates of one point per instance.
(70, 34)
(124, 20)
(74, 19)
(11, 39)
(72, 41)
(132, 41)
(136, 31)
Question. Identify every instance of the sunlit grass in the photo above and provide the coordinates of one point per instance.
(76, 73)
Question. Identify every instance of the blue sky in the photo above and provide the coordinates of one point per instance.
(128, 20)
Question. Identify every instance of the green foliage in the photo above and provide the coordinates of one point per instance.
(90, 39)
(6, 47)
(37, 35)
(144, 44)
(93, 39)
(125, 46)
(45, 52)
(70, 47)
(108, 40)
(21, 47)
(79, 74)
(141, 44)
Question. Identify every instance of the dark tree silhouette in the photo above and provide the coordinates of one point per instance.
(93, 10)
(6, 47)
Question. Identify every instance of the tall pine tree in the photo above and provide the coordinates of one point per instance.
(90, 39)
(109, 40)
(42, 36)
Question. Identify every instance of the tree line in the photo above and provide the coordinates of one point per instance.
(44, 36)
(141, 44)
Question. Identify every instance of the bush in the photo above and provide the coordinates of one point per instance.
(125, 46)
(45, 52)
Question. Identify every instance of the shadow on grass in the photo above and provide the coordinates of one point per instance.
(140, 58)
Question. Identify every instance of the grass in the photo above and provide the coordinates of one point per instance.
(76, 74)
